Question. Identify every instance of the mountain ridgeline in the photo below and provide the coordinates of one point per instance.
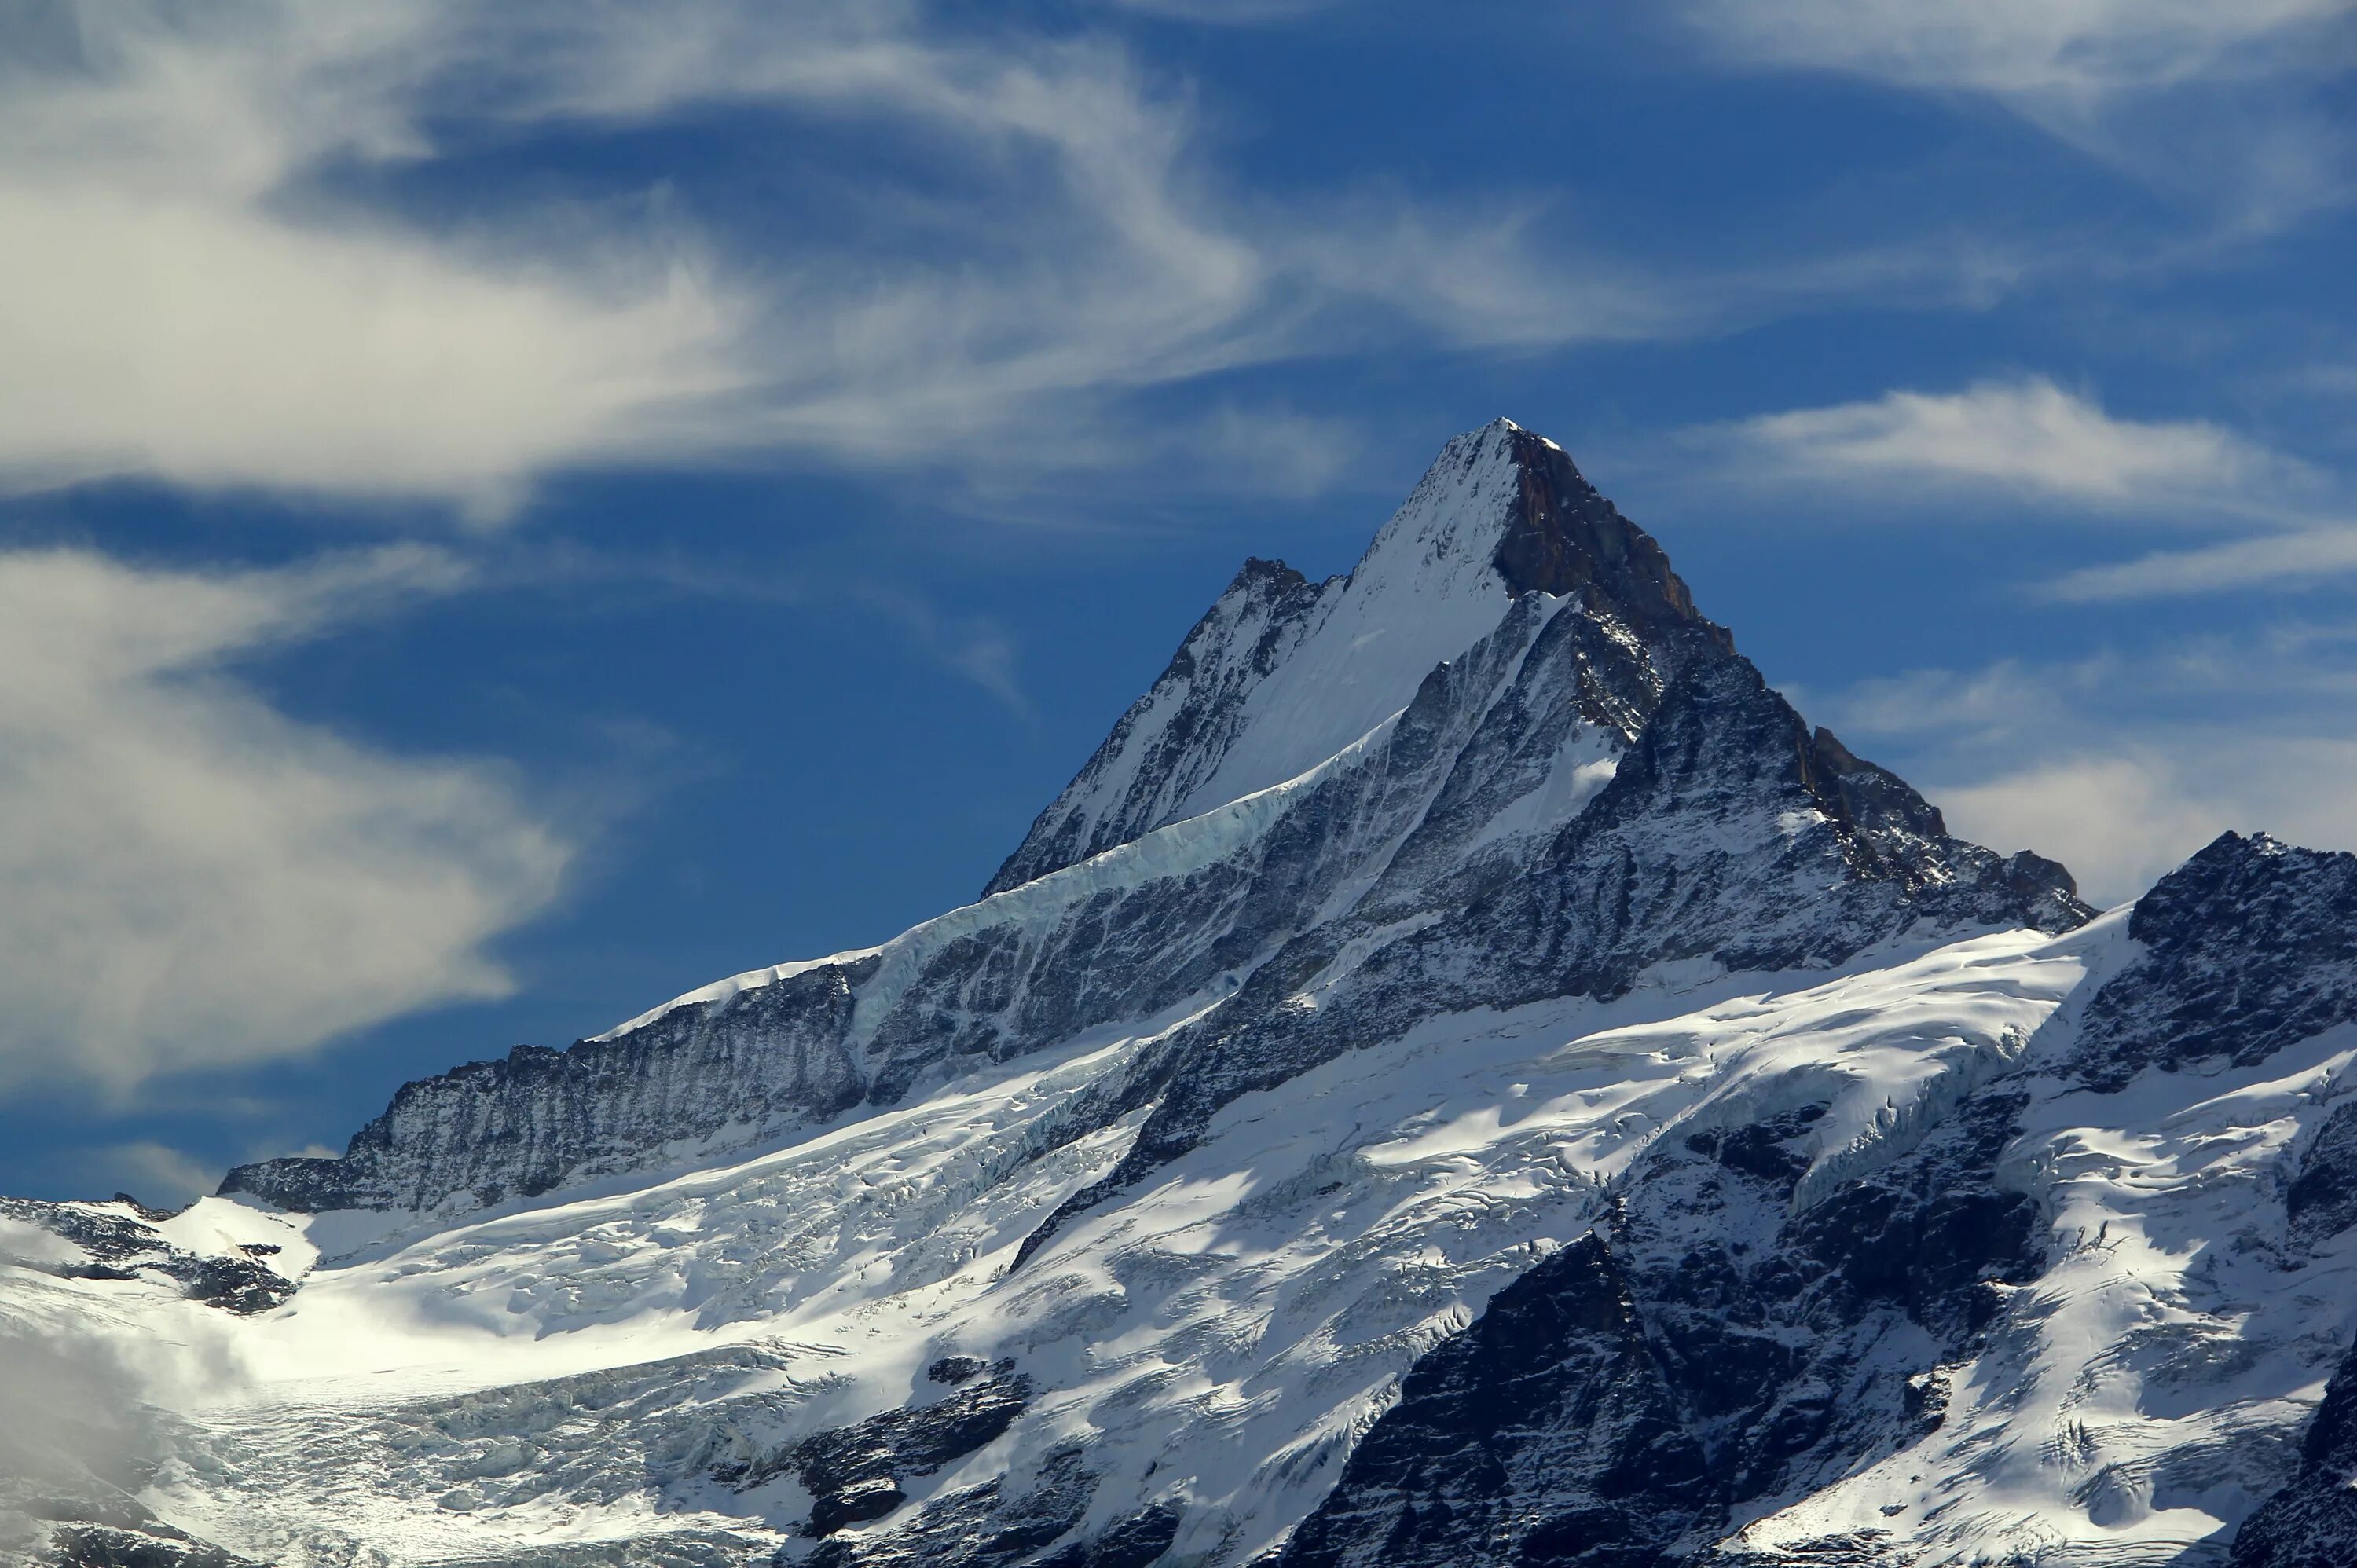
(1464, 1074)
(1510, 646)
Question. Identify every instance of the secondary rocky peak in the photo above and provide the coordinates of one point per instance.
(2249, 946)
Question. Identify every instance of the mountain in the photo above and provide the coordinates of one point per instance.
(1463, 1074)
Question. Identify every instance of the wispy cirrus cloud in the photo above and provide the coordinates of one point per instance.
(201, 299)
(2227, 102)
(178, 307)
(214, 288)
(2081, 48)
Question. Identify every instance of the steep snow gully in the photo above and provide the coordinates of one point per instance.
(1463, 1075)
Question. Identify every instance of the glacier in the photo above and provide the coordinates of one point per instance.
(1463, 1074)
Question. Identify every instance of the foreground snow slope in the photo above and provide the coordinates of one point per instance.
(606, 1372)
(586, 1369)
(1464, 1075)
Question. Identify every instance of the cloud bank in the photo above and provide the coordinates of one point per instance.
(196, 879)
(2121, 766)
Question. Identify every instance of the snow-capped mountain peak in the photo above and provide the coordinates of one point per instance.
(1465, 1074)
(1282, 673)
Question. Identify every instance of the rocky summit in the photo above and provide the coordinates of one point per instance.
(1465, 1074)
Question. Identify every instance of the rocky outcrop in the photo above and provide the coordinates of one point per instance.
(1624, 1403)
(119, 1241)
(762, 1058)
(2312, 1523)
(1548, 1432)
(152, 1545)
(1563, 537)
(2321, 1201)
(854, 1473)
(1170, 741)
(994, 1525)
(2249, 946)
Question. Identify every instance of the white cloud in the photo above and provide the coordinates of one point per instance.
(2119, 822)
(196, 879)
(189, 298)
(977, 648)
(1491, 279)
(171, 307)
(75, 1409)
(2040, 445)
(198, 289)
(2028, 435)
(2120, 819)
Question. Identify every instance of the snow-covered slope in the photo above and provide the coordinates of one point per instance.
(1463, 1075)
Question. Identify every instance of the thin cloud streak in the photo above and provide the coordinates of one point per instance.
(2081, 48)
(2033, 444)
(2026, 436)
(2307, 558)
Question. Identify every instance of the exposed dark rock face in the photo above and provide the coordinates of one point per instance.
(515, 1127)
(1865, 793)
(1136, 1542)
(2312, 1523)
(1723, 834)
(2250, 946)
(852, 1473)
(1556, 535)
(1563, 537)
(1618, 1405)
(989, 1526)
(1547, 1432)
(149, 1546)
(2322, 1199)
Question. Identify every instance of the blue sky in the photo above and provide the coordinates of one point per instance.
(509, 512)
